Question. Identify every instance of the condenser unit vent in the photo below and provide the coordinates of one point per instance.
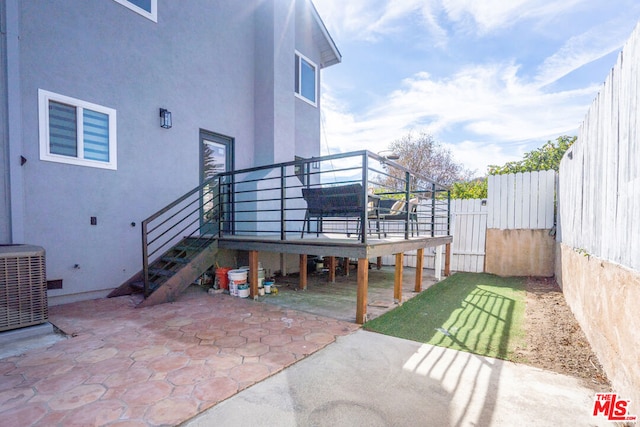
(23, 287)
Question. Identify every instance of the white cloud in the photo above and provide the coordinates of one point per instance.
(371, 19)
(584, 48)
(494, 112)
(488, 15)
(489, 102)
(477, 155)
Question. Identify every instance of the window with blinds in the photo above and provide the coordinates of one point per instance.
(76, 132)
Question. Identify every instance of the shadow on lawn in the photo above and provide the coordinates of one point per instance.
(496, 316)
(478, 313)
(481, 315)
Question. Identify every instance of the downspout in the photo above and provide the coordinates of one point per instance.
(14, 120)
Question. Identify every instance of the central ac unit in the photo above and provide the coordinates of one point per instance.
(23, 287)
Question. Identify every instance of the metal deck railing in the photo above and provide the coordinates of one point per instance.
(267, 202)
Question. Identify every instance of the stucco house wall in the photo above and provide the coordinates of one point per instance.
(215, 66)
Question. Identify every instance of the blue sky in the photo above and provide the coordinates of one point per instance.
(489, 79)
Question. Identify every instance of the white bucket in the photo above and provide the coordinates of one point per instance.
(243, 291)
(260, 274)
(267, 287)
(236, 278)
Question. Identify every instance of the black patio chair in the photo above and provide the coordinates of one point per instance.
(343, 201)
(398, 212)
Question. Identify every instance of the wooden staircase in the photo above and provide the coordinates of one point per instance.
(173, 271)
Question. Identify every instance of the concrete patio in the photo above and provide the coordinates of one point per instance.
(195, 360)
(154, 366)
(162, 365)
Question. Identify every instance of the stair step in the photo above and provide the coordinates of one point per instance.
(186, 248)
(140, 286)
(176, 260)
(193, 244)
(161, 272)
(171, 287)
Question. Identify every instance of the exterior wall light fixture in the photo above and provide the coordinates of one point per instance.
(165, 118)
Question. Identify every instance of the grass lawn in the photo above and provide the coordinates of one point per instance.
(474, 312)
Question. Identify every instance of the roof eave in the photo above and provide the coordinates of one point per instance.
(330, 54)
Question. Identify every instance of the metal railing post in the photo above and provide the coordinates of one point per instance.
(220, 207)
(232, 205)
(364, 215)
(433, 209)
(283, 183)
(145, 259)
(407, 196)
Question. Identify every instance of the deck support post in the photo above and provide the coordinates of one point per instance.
(447, 260)
(419, 266)
(397, 283)
(303, 272)
(378, 263)
(283, 264)
(253, 273)
(363, 284)
(438, 263)
(332, 269)
(345, 266)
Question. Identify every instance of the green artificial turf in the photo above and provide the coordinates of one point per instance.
(474, 312)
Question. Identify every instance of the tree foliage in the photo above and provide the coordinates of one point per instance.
(423, 155)
(474, 189)
(546, 157)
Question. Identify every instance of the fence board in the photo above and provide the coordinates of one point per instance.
(522, 200)
(468, 227)
(517, 223)
(600, 208)
(492, 199)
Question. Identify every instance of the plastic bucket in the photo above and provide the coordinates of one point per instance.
(236, 279)
(267, 287)
(223, 278)
(260, 274)
(243, 291)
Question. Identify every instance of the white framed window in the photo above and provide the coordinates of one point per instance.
(146, 8)
(76, 132)
(306, 87)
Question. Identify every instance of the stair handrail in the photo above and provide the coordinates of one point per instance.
(178, 218)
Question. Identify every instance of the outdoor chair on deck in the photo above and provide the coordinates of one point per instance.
(397, 212)
(344, 201)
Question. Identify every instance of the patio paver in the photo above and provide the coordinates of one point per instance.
(159, 365)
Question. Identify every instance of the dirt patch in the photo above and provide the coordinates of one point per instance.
(554, 340)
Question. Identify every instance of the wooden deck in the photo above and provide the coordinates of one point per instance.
(333, 246)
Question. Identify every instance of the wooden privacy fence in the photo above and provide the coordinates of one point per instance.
(468, 227)
(598, 264)
(520, 201)
(600, 174)
(515, 201)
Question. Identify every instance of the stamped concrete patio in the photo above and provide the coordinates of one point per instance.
(162, 365)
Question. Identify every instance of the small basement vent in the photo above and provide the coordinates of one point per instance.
(23, 287)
